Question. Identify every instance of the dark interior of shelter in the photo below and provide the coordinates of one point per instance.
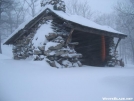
(90, 46)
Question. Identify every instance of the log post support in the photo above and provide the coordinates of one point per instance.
(103, 48)
(117, 44)
(69, 37)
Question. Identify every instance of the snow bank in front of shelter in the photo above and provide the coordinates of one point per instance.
(36, 81)
(4, 57)
(6, 51)
(39, 38)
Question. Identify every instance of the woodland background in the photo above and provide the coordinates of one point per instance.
(15, 12)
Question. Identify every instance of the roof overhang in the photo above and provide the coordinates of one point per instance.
(87, 29)
(67, 23)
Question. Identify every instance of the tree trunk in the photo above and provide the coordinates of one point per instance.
(0, 45)
(125, 55)
(132, 49)
(33, 8)
(0, 30)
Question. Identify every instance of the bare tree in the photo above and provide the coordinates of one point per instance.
(4, 4)
(125, 23)
(0, 26)
(32, 6)
(19, 12)
(11, 15)
(79, 8)
(106, 19)
(122, 19)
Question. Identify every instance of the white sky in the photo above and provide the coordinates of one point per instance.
(104, 6)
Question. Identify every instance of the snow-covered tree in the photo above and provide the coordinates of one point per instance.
(57, 4)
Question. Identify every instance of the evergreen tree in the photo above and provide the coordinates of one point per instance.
(112, 55)
(57, 4)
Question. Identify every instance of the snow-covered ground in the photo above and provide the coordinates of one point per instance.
(37, 81)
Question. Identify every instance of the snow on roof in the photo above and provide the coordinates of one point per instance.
(83, 21)
(24, 24)
(73, 18)
(39, 38)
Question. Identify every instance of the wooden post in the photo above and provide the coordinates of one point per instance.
(117, 44)
(103, 48)
(69, 37)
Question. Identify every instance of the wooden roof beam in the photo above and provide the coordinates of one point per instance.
(92, 30)
(117, 44)
(69, 37)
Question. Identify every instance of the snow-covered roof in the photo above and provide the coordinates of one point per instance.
(72, 18)
(85, 22)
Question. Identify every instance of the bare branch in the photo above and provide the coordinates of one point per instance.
(79, 8)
